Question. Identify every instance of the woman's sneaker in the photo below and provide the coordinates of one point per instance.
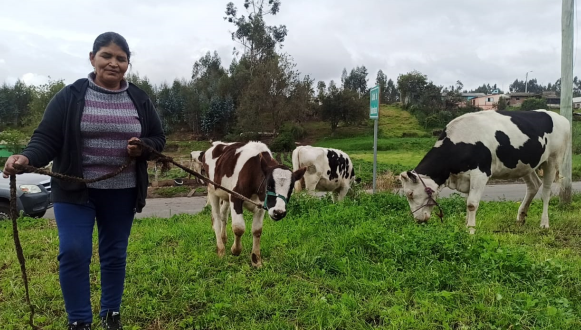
(79, 326)
(111, 321)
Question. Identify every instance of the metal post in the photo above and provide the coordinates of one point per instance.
(567, 93)
(375, 124)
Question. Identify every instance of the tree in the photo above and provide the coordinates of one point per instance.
(144, 84)
(14, 102)
(534, 103)
(392, 94)
(266, 102)
(170, 105)
(41, 96)
(342, 106)
(14, 139)
(217, 121)
(502, 104)
(356, 80)
(257, 39)
(411, 86)
(381, 80)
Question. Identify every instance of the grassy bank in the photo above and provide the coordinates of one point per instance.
(360, 264)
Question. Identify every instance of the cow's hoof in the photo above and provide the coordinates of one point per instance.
(221, 252)
(256, 260)
(545, 226)
(236, 250)
(471, 230)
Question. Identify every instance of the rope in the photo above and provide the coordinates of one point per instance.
(158, 156)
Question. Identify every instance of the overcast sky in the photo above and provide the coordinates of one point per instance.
(476, 42)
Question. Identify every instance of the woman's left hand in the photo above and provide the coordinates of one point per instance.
(133, 150)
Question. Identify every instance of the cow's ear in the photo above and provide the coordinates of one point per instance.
(412, 176)
(298, 174)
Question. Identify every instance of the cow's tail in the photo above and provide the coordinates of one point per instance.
(296, 166)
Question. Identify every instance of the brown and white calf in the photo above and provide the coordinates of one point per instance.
(196, 163)
(250, 170)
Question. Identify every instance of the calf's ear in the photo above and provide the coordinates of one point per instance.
(298, 174)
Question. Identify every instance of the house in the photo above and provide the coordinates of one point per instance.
(516, 99)
(577, 103)
(487, 102)
(470, 96)
(553, 100)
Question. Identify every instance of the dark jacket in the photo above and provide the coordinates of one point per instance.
(58, 138)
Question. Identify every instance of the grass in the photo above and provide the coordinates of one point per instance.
(360, 264)
(395, 122)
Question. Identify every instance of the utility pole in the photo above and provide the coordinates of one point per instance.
(567, 93)
(527, 80)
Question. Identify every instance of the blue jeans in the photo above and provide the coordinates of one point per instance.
(113, 210)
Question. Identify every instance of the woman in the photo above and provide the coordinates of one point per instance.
(86, 129)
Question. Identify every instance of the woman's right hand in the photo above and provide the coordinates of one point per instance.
(9, 166)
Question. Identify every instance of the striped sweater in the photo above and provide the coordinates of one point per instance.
(109, 120)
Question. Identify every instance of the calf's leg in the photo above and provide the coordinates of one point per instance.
(238, 225)
(217, 222)
(257, 221)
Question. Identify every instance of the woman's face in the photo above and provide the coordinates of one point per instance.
(110, 64)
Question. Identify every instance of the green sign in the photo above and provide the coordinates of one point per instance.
(374, 103)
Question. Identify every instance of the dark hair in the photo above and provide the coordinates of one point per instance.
(105, 39)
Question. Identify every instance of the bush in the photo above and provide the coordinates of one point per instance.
(283, 142)
(297, 131)
(249, 136)
(232, 137)
(534, 104)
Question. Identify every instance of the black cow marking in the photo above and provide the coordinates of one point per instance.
(454, 158)
(339, 165)
(535, 125)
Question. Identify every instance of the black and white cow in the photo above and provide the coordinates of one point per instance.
(250, 170)
(327, 170)
(490, 144)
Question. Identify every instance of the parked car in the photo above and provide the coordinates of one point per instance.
(32, 192)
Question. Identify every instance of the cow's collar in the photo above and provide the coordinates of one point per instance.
(430, 201)
(269, 193)
(272, 193)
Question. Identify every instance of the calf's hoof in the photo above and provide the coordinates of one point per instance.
(471, 230)
(545, 226)
(256, 260)
(220, 252)
(236, 250)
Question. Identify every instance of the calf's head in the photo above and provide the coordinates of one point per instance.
(280, 181)
(421, 193)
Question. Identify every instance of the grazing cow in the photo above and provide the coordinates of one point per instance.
(490, 144)
(196, 163)
(250, 170)
(327, 170)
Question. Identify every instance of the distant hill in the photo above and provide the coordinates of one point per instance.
(393, 123)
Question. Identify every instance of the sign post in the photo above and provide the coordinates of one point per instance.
(374, 114)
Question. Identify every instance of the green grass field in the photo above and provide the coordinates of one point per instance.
(360, 264)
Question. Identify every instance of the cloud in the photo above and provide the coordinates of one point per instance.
(476, 42)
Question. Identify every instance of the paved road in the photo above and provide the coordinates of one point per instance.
(166, 207)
